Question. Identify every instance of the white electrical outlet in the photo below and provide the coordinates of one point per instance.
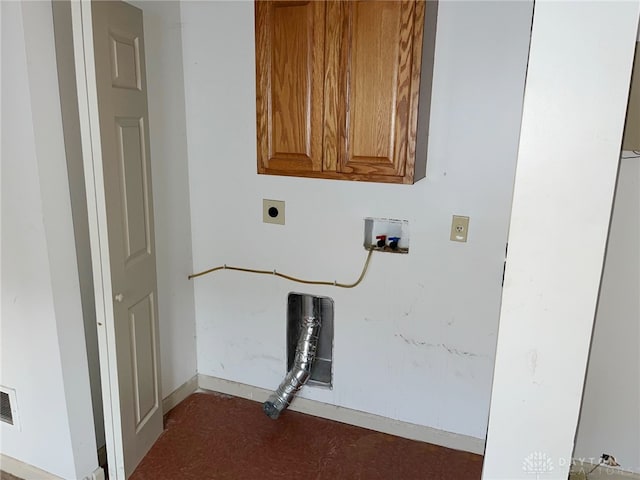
(459, 228)
(273, 211)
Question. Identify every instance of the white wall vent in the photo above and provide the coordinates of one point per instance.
(8, 407)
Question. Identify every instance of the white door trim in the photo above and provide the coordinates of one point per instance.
(575, 100)
(97, 216)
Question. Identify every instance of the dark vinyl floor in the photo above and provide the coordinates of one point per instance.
(211, 436)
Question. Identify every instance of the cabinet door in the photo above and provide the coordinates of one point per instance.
(381, 76)
(289, 73)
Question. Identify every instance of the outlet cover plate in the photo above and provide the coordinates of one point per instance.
(459, 228)
(273, 211)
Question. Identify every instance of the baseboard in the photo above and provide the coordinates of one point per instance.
(24, 470)
(98, 474)
(29, 472)
(179, 394)
(349, 416)
(601, 473)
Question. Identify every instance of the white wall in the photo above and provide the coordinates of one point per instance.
(167, 133)
(610, 416)
(416, 340)
(574, 108)
(43, 355)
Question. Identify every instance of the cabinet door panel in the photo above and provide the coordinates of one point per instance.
(289, 72)
(335, 93)
(378, 83)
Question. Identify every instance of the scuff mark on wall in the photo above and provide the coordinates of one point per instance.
(410, 310)
(455, 351)
(451, 350)
(532, 358)
(411, 341)
(371, 320)
(270, 358)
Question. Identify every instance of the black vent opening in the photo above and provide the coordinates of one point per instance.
(6, 415)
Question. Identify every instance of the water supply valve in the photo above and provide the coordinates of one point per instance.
(386, 235)
(393, 242)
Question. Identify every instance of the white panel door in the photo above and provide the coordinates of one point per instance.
(124, 134)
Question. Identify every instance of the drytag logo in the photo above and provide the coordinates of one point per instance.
(536, 463)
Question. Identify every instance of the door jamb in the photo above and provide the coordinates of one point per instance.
(97, 218)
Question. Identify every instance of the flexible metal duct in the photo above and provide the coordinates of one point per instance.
(301, 369)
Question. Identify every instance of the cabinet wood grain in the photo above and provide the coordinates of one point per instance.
(338, 88)
(378, 70)
(289, 74)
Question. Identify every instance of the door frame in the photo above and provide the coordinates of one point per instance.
(87, 92)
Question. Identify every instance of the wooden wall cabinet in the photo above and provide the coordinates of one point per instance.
(338, 88)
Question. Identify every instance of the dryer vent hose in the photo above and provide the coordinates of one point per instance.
(302, 365)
